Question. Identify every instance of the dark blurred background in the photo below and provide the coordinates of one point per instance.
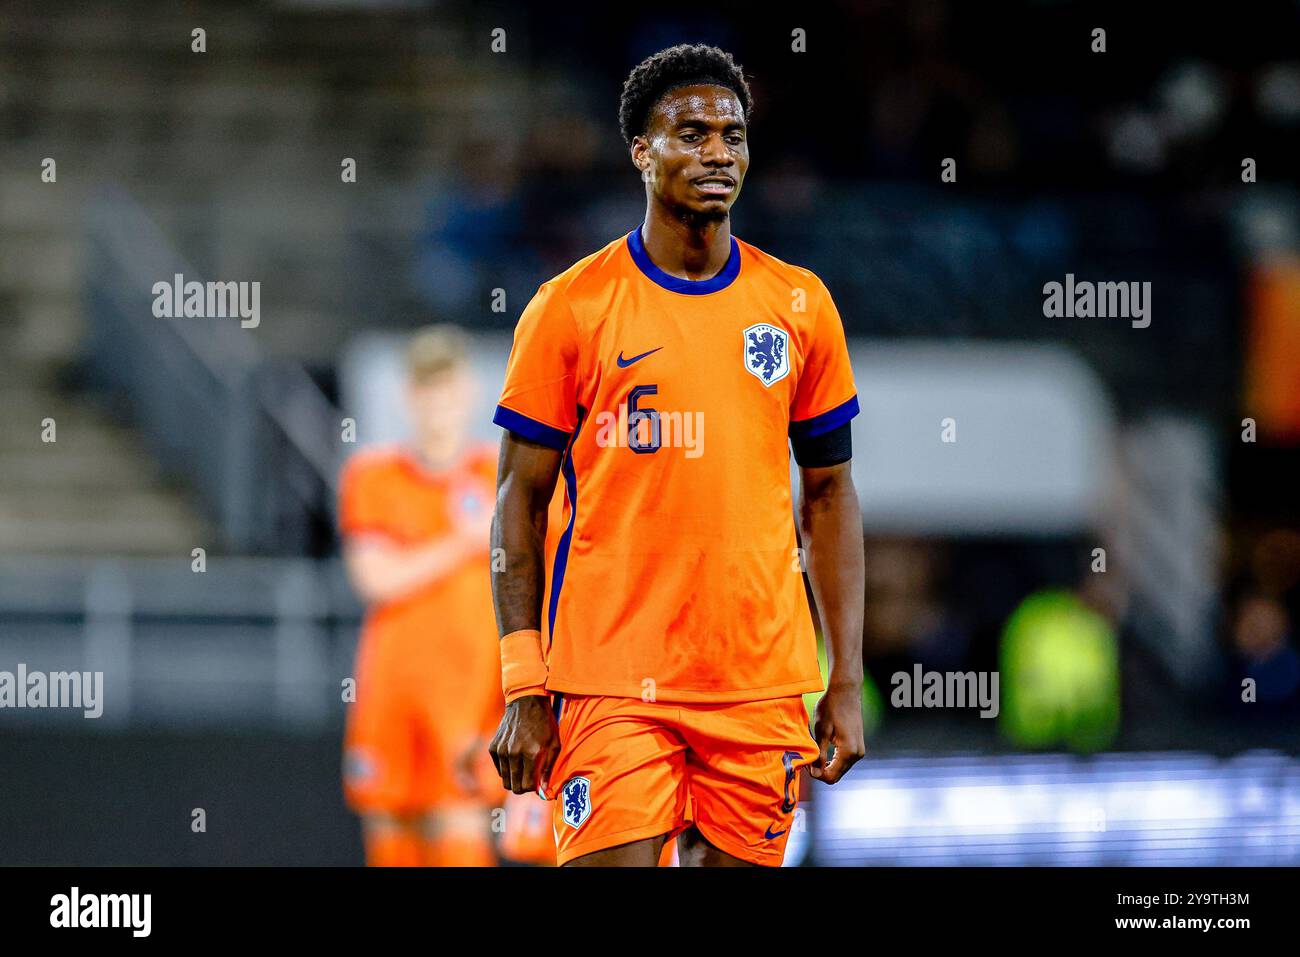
(480, 174)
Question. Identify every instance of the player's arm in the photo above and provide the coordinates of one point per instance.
(830, 522)
(381, 570)
(831, 526)
(527, 740)
(380, 567)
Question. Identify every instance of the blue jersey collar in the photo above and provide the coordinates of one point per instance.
(691, 287)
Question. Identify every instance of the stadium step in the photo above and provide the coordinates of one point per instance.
(151, 532)
(93, 490)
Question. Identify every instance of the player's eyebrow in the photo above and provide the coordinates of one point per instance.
(695, 122)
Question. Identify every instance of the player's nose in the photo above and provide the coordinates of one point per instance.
(715, 153)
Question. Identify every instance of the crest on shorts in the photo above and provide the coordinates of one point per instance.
(766, 352)
(576, 795)
(359, 765)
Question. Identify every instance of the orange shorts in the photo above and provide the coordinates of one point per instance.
(411, 744)
(629, 770)
(528, 836)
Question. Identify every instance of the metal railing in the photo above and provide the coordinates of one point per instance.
(246, 642)
(251, 436)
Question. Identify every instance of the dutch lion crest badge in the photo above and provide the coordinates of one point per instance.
(576, 796)
(767, 354)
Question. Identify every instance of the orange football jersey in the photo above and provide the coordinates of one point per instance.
(677, 576)
(445, 631)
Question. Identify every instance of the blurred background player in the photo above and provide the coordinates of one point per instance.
(414, 520)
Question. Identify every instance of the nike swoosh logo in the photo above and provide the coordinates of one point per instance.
(769, 835)
(624, 363)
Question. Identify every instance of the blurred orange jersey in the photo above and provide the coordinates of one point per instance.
(429, 673)
(677, 575)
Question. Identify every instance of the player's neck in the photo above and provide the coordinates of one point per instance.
(435, 458)
(687, 247)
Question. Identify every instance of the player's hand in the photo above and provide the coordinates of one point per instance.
(837, 722)
(526, 743)
(465, 767)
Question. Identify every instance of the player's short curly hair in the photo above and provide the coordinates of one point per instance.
(683, 65)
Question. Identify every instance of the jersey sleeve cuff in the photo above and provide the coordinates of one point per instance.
(831, 419)
(531, 429)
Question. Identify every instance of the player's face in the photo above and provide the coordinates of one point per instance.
(695, 150)
(439, 407)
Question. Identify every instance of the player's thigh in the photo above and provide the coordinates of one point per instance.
(743, 768)
(380, 823)
(644, 853)
(694, 850)
(457, 819)
(392, 840)
(619, 778)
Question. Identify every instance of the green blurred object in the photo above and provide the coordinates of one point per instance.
(1059, 675)
(872, 704)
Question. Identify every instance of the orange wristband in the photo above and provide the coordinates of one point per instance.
(523, 669)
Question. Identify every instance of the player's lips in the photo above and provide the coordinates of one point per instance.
(715, 185)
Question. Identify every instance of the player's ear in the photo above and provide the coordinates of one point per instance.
(641, 154)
